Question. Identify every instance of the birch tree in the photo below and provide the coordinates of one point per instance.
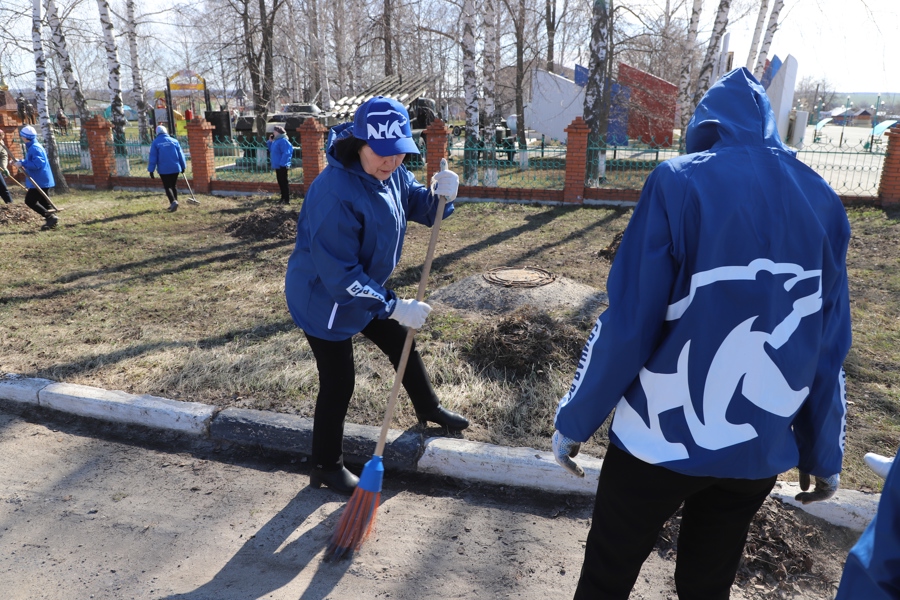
(470, 84)
(687, 65)
(704, 77)
(137, 80)
(596, 92)
(491, 43)
(767, 40)
(40, 90)
(60, 48)
(518, 15)
(116, 105)
(757, 32)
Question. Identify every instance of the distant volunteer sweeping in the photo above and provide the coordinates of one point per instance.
(39, 180)
(721, 350)
(167, 157)
(349, 240)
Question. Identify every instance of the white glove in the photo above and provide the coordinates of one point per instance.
(445, 183)
(564, 450)
(411, 313)
(881, 465)
(825, 488)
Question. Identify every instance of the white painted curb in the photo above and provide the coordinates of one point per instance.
(847, 508)
(121, 407)
(499, 465)
(21, 389)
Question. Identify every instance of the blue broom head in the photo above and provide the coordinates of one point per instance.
(372, 475)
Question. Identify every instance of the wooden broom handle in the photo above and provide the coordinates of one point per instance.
(407, 344)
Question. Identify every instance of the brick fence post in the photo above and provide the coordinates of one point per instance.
(11, 136)
(203, 164)
(103, 161)
(436, 136)
(312, 153)
(576, 161)
(889, 186)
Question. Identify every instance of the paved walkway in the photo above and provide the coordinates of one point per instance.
(405, 450)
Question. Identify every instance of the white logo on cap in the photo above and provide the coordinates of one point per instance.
(388, 130)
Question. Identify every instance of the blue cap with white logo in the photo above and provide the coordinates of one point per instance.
(384, 124)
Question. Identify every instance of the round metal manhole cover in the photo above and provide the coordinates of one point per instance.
(519, 277)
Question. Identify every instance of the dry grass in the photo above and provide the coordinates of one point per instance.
(190, 306)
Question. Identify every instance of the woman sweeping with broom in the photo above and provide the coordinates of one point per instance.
(349, 240)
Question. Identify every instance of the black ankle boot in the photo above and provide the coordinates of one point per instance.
(341, 481)
(447, 419)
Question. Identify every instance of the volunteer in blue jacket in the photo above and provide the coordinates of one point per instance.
(281, 151)
(349, 239)
(721, 350)
(40, 178)
(872, 570)
(167, 158)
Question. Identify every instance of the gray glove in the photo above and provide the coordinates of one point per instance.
(411, 313)
(564, 450)
(152, 176)
(4, 172)
(825, 488)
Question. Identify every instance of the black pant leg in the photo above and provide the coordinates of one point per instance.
(714, 526)
(4, 191)
(281, 175)
(634, 500)
(389, 336)
(170, 185)
(36, 202)
(337, 378)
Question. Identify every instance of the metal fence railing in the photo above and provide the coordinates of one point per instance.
(625, 164)
(133, 156)
(850, 159)
(246, 158)
(504, 164)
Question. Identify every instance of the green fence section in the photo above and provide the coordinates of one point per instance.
(73, 157)
(851, 168)
(491, 164)
(133, 156)
(625, 164)
(246, 158)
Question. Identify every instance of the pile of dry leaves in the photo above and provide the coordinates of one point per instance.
(272, 222)
(15, 213)
(525, 341)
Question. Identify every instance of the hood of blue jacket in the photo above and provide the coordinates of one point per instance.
(735, 111)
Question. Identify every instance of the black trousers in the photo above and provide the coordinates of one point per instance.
(337, 378)
(36, 201)
(4, 191)
(281, 175)
(170, 185)
(634, 500)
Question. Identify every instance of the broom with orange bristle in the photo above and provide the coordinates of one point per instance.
(358, 517)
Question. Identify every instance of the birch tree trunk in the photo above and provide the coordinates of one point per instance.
(470, 85)
(596, 93)
(704, 77)
(137, 80)
(387, 30)
(760, 21)
(491, 43)
(116, 106)
(40, 89)
(767, 41)
(550, 23)
(60, 48)
(687, 66)
(518, 14)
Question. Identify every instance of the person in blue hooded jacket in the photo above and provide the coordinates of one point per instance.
(281, 153)
(872, 569)
(39, 180)
(167, 158)
(349, 239)
(721, 350)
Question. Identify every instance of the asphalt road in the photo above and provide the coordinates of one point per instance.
(91, 510)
